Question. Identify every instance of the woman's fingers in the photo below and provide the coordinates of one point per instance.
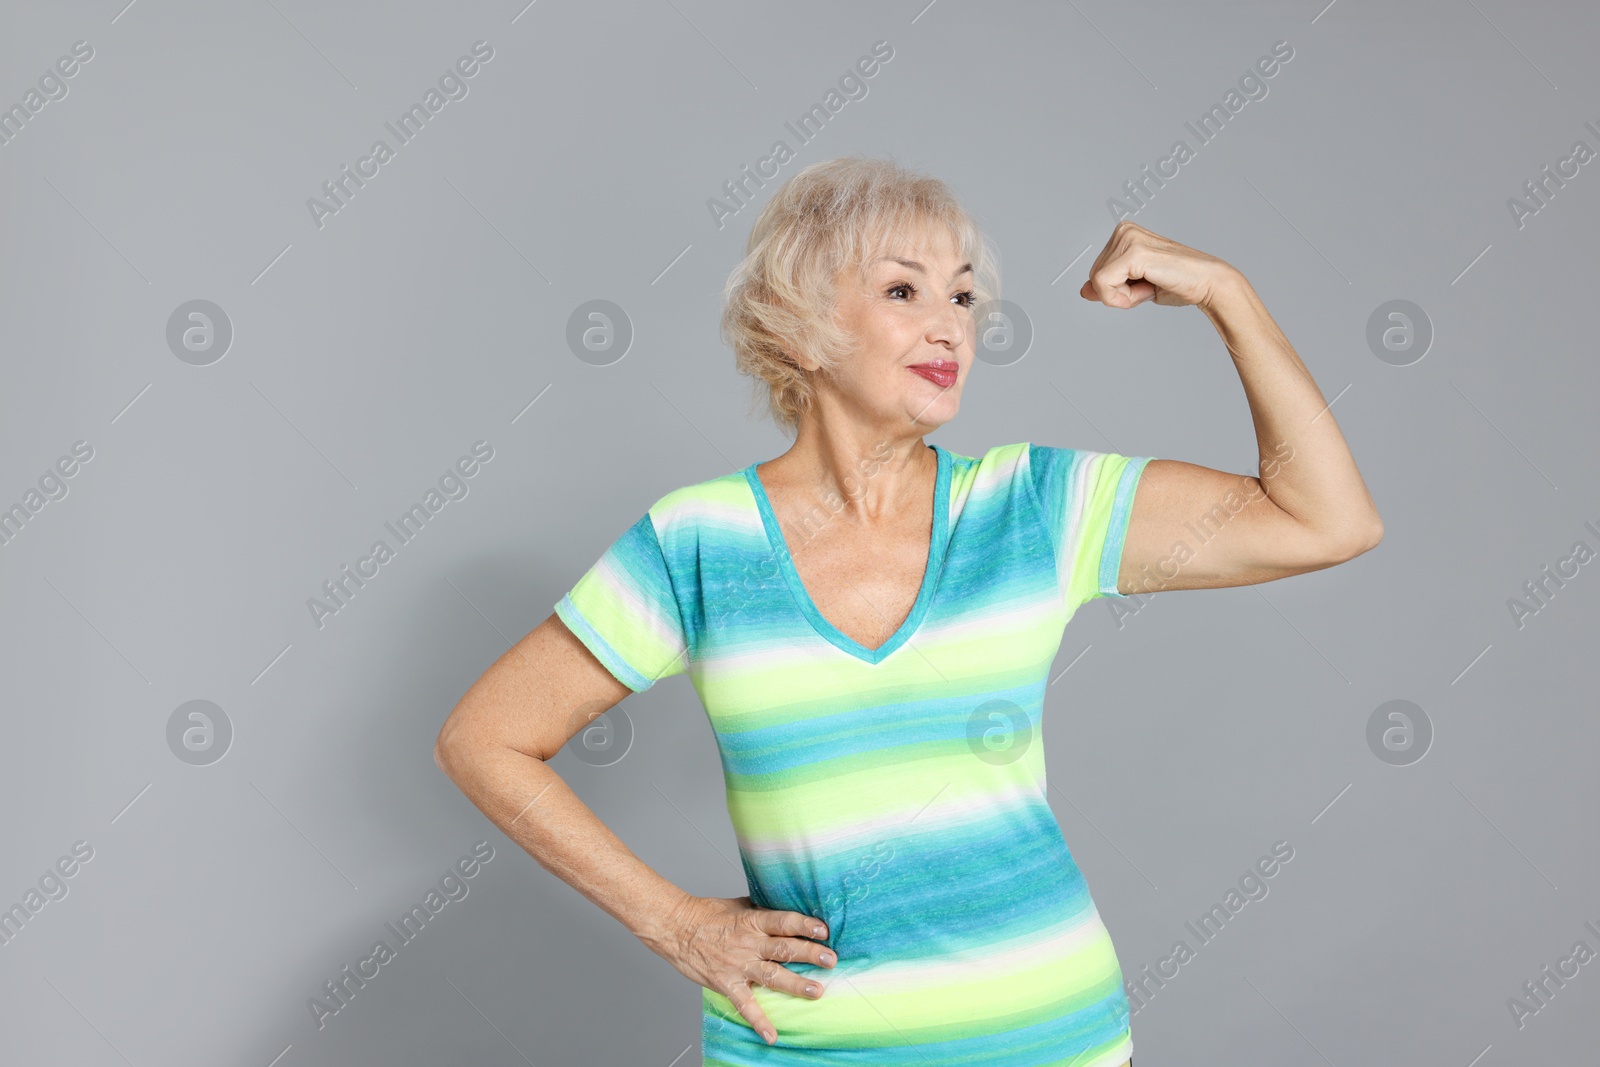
(1118, 294)
(1136, 265)
(732, 945)
(775, 975)
(790, 924)
(798, 950)
(744, 1002)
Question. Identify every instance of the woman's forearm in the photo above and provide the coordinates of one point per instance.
(533, 806)
(1306, 467)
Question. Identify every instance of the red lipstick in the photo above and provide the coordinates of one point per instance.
(941, 372)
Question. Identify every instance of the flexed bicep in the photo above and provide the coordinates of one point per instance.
(1193, 527)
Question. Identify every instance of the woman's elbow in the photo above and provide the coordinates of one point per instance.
(1375, 535)
(455, 747)
(444, 755)
(1364, 539)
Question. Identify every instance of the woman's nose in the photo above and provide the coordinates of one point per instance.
(950, 326)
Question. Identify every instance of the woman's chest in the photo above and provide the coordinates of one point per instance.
(865, 583)
(837, 625)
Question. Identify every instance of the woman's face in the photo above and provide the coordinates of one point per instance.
(911, 315)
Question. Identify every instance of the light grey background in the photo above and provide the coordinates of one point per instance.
(431, 312)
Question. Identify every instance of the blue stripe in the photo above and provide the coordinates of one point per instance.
(569, 613)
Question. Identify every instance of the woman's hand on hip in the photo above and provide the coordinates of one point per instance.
(727, 944)
(1137, 265)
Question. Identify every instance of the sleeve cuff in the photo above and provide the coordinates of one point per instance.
(1117, 531)
(609, 657)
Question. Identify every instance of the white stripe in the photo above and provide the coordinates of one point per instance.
(944, 813)
(1084, 471)
(966, 969)
(621, 584)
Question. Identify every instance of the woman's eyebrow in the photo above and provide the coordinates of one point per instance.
(911, 264)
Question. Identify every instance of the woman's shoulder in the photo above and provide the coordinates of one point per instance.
(997, 460)
(1025, 465)
(717, 501)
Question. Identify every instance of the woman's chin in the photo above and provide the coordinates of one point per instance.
(937, 410)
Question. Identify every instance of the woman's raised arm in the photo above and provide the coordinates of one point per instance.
(1192, 527)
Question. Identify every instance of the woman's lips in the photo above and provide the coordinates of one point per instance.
(941, 374)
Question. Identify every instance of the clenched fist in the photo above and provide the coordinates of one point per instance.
(1137, 265)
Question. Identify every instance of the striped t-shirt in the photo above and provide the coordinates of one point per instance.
(896, 793)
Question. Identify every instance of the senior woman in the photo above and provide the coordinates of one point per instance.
(870, 621)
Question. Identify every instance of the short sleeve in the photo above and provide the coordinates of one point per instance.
(1087, 500)
(624, 610)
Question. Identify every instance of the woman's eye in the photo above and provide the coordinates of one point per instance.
(967, 298)
(906, 286)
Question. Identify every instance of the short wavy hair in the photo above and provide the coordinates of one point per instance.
(832, 217)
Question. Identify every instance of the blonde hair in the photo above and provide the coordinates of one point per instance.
(831, 217)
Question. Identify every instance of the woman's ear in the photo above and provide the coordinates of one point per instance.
(793, 357)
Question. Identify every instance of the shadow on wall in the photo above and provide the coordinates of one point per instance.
(541, 962)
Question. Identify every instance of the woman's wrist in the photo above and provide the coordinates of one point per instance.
(658, 922)
(1229, 290)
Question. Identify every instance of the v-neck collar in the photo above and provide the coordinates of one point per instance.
(937, 543)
